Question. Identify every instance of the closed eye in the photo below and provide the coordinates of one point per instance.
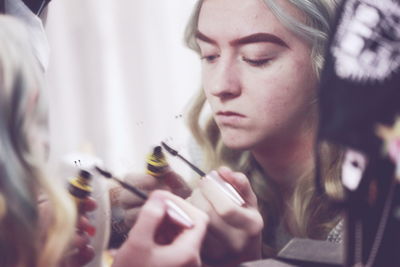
(210, 59)
(257, 62)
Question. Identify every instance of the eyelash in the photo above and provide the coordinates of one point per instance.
(209, 59)
(254, 63)
(257, 63)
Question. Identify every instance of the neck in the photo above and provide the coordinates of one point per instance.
(287, 159)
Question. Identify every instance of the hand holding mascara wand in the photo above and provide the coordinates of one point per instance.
(80, 190)
(174, 212)
(224, 186)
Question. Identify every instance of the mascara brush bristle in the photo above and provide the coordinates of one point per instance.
(103, 172)
(169, 149)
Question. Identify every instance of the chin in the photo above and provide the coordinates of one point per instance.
(237, 142)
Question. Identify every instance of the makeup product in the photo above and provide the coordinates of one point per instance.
(80, 188)
(224, 186)
(157, 164)
(174, 212)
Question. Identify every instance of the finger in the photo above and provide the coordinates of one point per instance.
(87, 205)
(198, 200)
(81, 257)
(246, 218)
(80, 240)
(190, 237)
(241, 183)
(219, 201)
(84, 225)
(150, 217)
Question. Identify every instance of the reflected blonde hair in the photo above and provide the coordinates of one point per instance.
(313, 214)
(22, 171)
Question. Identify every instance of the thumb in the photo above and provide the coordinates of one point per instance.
(150, 217)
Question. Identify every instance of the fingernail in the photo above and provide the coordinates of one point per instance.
(91, 230)
(178, 215)
(226, 187)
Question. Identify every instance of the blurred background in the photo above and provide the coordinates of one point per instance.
(119, 78)
(119, 82)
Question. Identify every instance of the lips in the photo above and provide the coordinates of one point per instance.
(229, 118)
(229, 114)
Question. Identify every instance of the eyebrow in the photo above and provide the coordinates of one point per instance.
(253, 38)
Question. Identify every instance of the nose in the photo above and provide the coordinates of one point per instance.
(226, 80)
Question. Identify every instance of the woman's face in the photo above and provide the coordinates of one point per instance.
(257, 75)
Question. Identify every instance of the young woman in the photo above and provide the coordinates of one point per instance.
(261, 61)
(260, 67)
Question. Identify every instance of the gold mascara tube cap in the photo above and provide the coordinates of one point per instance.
(157, 164)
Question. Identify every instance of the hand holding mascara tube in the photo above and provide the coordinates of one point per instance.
(231, 204)
(80, 190)
(174, 212)
(153, 240)
(225, 187)
(157, 166)
(144, 247)
(80, 250)
(158, 176)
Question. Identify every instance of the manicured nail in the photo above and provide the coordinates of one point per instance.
(178, 215)
(226, 187)
(90, 230)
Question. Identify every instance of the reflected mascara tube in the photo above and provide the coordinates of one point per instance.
(173, 210)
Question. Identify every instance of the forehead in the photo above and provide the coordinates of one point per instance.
(233, 18)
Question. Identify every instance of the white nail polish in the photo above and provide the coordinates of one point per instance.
(178, 215)
(226, 187)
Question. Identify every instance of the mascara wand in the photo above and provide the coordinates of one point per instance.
(127, 186)
(173, 152)
(225, 187)
(173, 210)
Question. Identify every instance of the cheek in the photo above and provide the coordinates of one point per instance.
(296, 84)
(279, 88)
(206, 81)
(281, 97)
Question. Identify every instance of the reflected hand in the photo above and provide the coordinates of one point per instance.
(80, 251)
(132, 204)
(143, 247)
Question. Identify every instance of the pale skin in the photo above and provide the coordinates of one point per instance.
(142, 249)
(260, 72)
(237, 226)
(260, 83)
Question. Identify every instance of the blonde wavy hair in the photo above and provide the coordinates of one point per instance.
(314, 215)
(22, 171)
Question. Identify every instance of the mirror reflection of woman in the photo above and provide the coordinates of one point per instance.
(40, 225)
